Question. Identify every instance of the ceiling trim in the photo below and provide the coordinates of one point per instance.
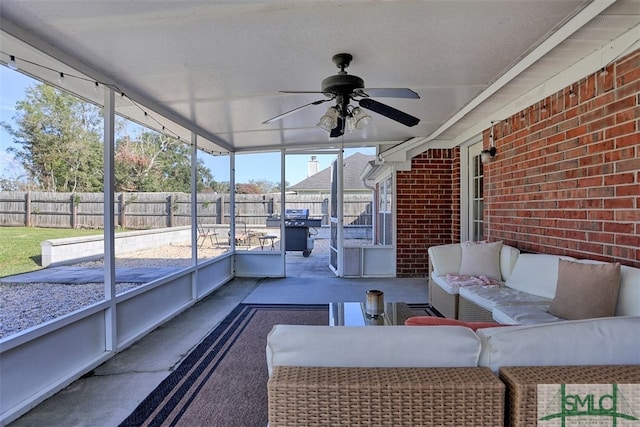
(561, 34)
(581, 69)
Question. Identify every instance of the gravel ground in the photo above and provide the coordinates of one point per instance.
(25, 305)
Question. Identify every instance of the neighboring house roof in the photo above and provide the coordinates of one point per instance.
(353, 167)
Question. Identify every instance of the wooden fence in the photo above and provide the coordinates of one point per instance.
(158, 210)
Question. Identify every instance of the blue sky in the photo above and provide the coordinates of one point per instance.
(248, 167)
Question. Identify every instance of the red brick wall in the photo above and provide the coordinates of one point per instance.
(566, 178)
(428, 208)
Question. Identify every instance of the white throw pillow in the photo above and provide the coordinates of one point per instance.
(481, 259)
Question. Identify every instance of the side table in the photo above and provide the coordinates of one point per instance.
(522, 386)
(263, 239)
(353, 314)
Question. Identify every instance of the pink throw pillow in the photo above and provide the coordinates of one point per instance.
(440, 321)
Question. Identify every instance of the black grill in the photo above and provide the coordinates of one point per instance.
(297, 236)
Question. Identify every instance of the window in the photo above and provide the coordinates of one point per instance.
(477, 199)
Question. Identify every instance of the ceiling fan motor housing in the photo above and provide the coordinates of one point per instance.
(342, 84)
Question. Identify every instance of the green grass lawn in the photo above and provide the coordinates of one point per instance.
(20, 246)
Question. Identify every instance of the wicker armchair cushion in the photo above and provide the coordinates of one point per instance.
(603, 341)
(586, 290)
(380, 346)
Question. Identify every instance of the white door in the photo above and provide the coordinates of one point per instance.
(475, 193)
(336, 258)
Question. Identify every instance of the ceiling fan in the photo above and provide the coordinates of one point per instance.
(343, 88)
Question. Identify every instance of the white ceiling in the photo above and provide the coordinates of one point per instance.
(216, 67)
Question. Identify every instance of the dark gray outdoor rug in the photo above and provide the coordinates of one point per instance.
(223, 381)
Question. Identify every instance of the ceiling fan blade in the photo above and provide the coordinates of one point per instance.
(300, 91)
(390, 112)
(338, 130)
(278, 117)
(389, 92)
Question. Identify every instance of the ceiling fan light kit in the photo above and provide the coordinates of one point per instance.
(358, 119)
(344, 88)
(329, 120)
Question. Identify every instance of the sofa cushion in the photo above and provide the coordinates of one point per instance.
(441, 321)
(629, 293)
(536, 274)
(372, 346)
(603, 341)
(489, 297)
(451, 284)
(441, 281)
(445, 258)
(524, 314)
(508, 257)
(585, 291)
(481, 259)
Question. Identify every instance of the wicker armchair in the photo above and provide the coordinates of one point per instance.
(330, 396)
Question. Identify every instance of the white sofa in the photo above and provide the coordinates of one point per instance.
(320, 375)
(528, 288)
(323, 375)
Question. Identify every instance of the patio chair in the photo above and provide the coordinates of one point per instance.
(243, 234)
(203, 233)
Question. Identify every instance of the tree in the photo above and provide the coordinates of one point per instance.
(249, 188)
(260, 186)
(278, 188)
(156, 162)
(61, 149)
(220, 187)
(59, 140)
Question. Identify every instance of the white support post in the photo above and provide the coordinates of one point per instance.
(232, 205)
(109, 223)
(194, 213)
(283, 193)
(340, 212)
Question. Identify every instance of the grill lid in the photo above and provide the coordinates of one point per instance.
(296, 213)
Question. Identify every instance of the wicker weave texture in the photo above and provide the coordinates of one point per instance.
(472, 312)
(315, 396)
(522, 384)
(445, 303)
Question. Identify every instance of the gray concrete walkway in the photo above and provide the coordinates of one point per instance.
(79, 275)
(315, 265)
